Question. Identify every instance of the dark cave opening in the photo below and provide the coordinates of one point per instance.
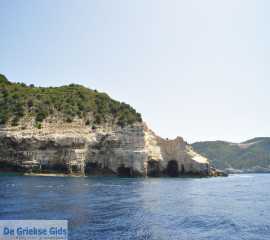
(75, 168)
(182, 169)
(153, 169)
(172, 168)
(123, 171)
(91, 167)
(55, 167)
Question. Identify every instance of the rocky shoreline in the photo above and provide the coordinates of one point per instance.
(34, 174)
(76, 149)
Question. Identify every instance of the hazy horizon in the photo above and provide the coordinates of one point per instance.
(195, 69)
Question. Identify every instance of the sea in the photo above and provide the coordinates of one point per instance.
(111, 208)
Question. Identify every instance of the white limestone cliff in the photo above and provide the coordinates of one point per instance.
(76, 148)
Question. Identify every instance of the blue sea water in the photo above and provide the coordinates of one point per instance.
(236, 207)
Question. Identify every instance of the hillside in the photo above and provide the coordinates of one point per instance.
(19, 101)
(75, 130)
(251, 155)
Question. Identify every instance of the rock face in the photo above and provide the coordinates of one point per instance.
(172, 157)
(76, 148)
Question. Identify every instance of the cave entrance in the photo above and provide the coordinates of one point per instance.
(75, 168)
(153, 169)
(123, 171)
(182, 169)
(91, 167)
(172, 168)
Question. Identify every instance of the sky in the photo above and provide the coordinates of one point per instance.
(196, 69)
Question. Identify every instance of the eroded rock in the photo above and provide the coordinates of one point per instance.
(134, 150)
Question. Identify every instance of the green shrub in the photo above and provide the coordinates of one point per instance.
(69, 120)
(40, 116)
(38, 125)
(15, 121)
(18, 100)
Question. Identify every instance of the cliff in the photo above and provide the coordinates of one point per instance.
(105, 137)
(76, 148)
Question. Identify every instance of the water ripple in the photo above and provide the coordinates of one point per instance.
(156, 209)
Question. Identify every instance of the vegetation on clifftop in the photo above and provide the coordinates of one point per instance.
(18, 100)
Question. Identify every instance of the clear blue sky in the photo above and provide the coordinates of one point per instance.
(198, 69)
